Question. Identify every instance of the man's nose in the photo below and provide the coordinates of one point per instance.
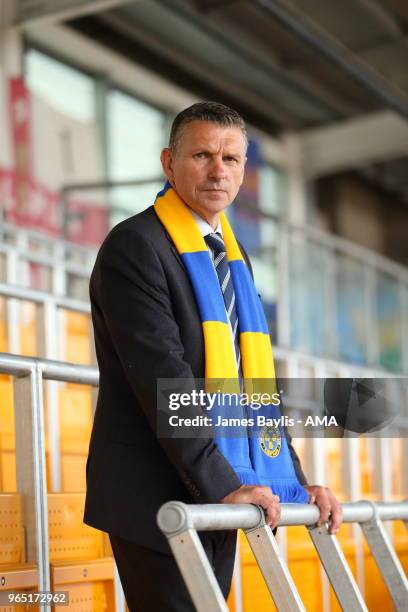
(217, 169)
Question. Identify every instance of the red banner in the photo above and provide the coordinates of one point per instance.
(19, 114)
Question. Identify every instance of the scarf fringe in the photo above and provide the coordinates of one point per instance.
(293, 493)
(246, 476)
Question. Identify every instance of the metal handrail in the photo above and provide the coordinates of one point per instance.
(41, 297)
(45, 260)
(180, 522)
(58, 243)
(175, 516)
(62, 371)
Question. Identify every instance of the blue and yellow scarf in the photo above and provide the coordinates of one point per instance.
(262, 457)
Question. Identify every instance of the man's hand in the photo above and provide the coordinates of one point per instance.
(330, 509)
(261, 496)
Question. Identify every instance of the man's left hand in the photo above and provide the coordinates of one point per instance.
(330, 509)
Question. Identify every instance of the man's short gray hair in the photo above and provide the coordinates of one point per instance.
(213, 112)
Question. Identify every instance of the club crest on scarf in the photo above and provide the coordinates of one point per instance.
(270, 440)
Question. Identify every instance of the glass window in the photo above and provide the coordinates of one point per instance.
(136, 136)
(272, 190)
(389, 322)
(65, 150)
(307, 295)
(351, 310)
(66, 89)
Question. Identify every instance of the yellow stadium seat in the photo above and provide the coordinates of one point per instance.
(400, 541)
(15, 574)
(348, 546)
(78, 343)
(255, 593)
(7, 444)
(304, 566)
(231, 599)
(3, 326)
(78, 558)
(28, 345)
(75, 404)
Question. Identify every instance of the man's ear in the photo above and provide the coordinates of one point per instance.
(166, 159)
(243, 171)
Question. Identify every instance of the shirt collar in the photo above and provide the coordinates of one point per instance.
(204, 227)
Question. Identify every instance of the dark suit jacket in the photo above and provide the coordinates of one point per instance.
(146, 326)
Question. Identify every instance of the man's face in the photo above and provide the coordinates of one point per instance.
(207, 167)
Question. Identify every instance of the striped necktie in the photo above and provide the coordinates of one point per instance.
(217, 246)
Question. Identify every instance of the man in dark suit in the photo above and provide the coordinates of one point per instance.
(147, 326)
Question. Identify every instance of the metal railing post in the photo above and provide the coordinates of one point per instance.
(387, 560)
(337, 569)
(191, 558)
(284, 323)
(13, 306)
(274, 570)
(31, 473)
(120, 602)
(237, 579)
(46, 326)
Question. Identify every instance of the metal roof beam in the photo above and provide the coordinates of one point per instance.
(354, 143)
(8, 11)
(338, 54)
(30, 12)
(383, 16)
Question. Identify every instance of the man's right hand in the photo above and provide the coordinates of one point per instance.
(261, 496)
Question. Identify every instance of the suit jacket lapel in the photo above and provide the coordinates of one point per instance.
(175, 253)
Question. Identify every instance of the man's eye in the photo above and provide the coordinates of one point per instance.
(200, 155)
(230, 159)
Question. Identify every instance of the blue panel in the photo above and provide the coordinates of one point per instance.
(249, 309)
(206, 286)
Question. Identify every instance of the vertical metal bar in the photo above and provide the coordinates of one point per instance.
(101, 88)
(404, 467)
(196, 571)
(64, 212)
(120, 601)
(403, 297)
(337, 570)
(237, 579)
(31, 475)
(352, 489)
(3, 265)
(13, 306)
(274, 570)
(372, 324)
(387, 561)
(59, 273)
(350, 472)
(315, 452)
(317, 460)
(331, 303)
(282, 542)
(94, 362)
(284, 323)
(382, 467)
(46, 326)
